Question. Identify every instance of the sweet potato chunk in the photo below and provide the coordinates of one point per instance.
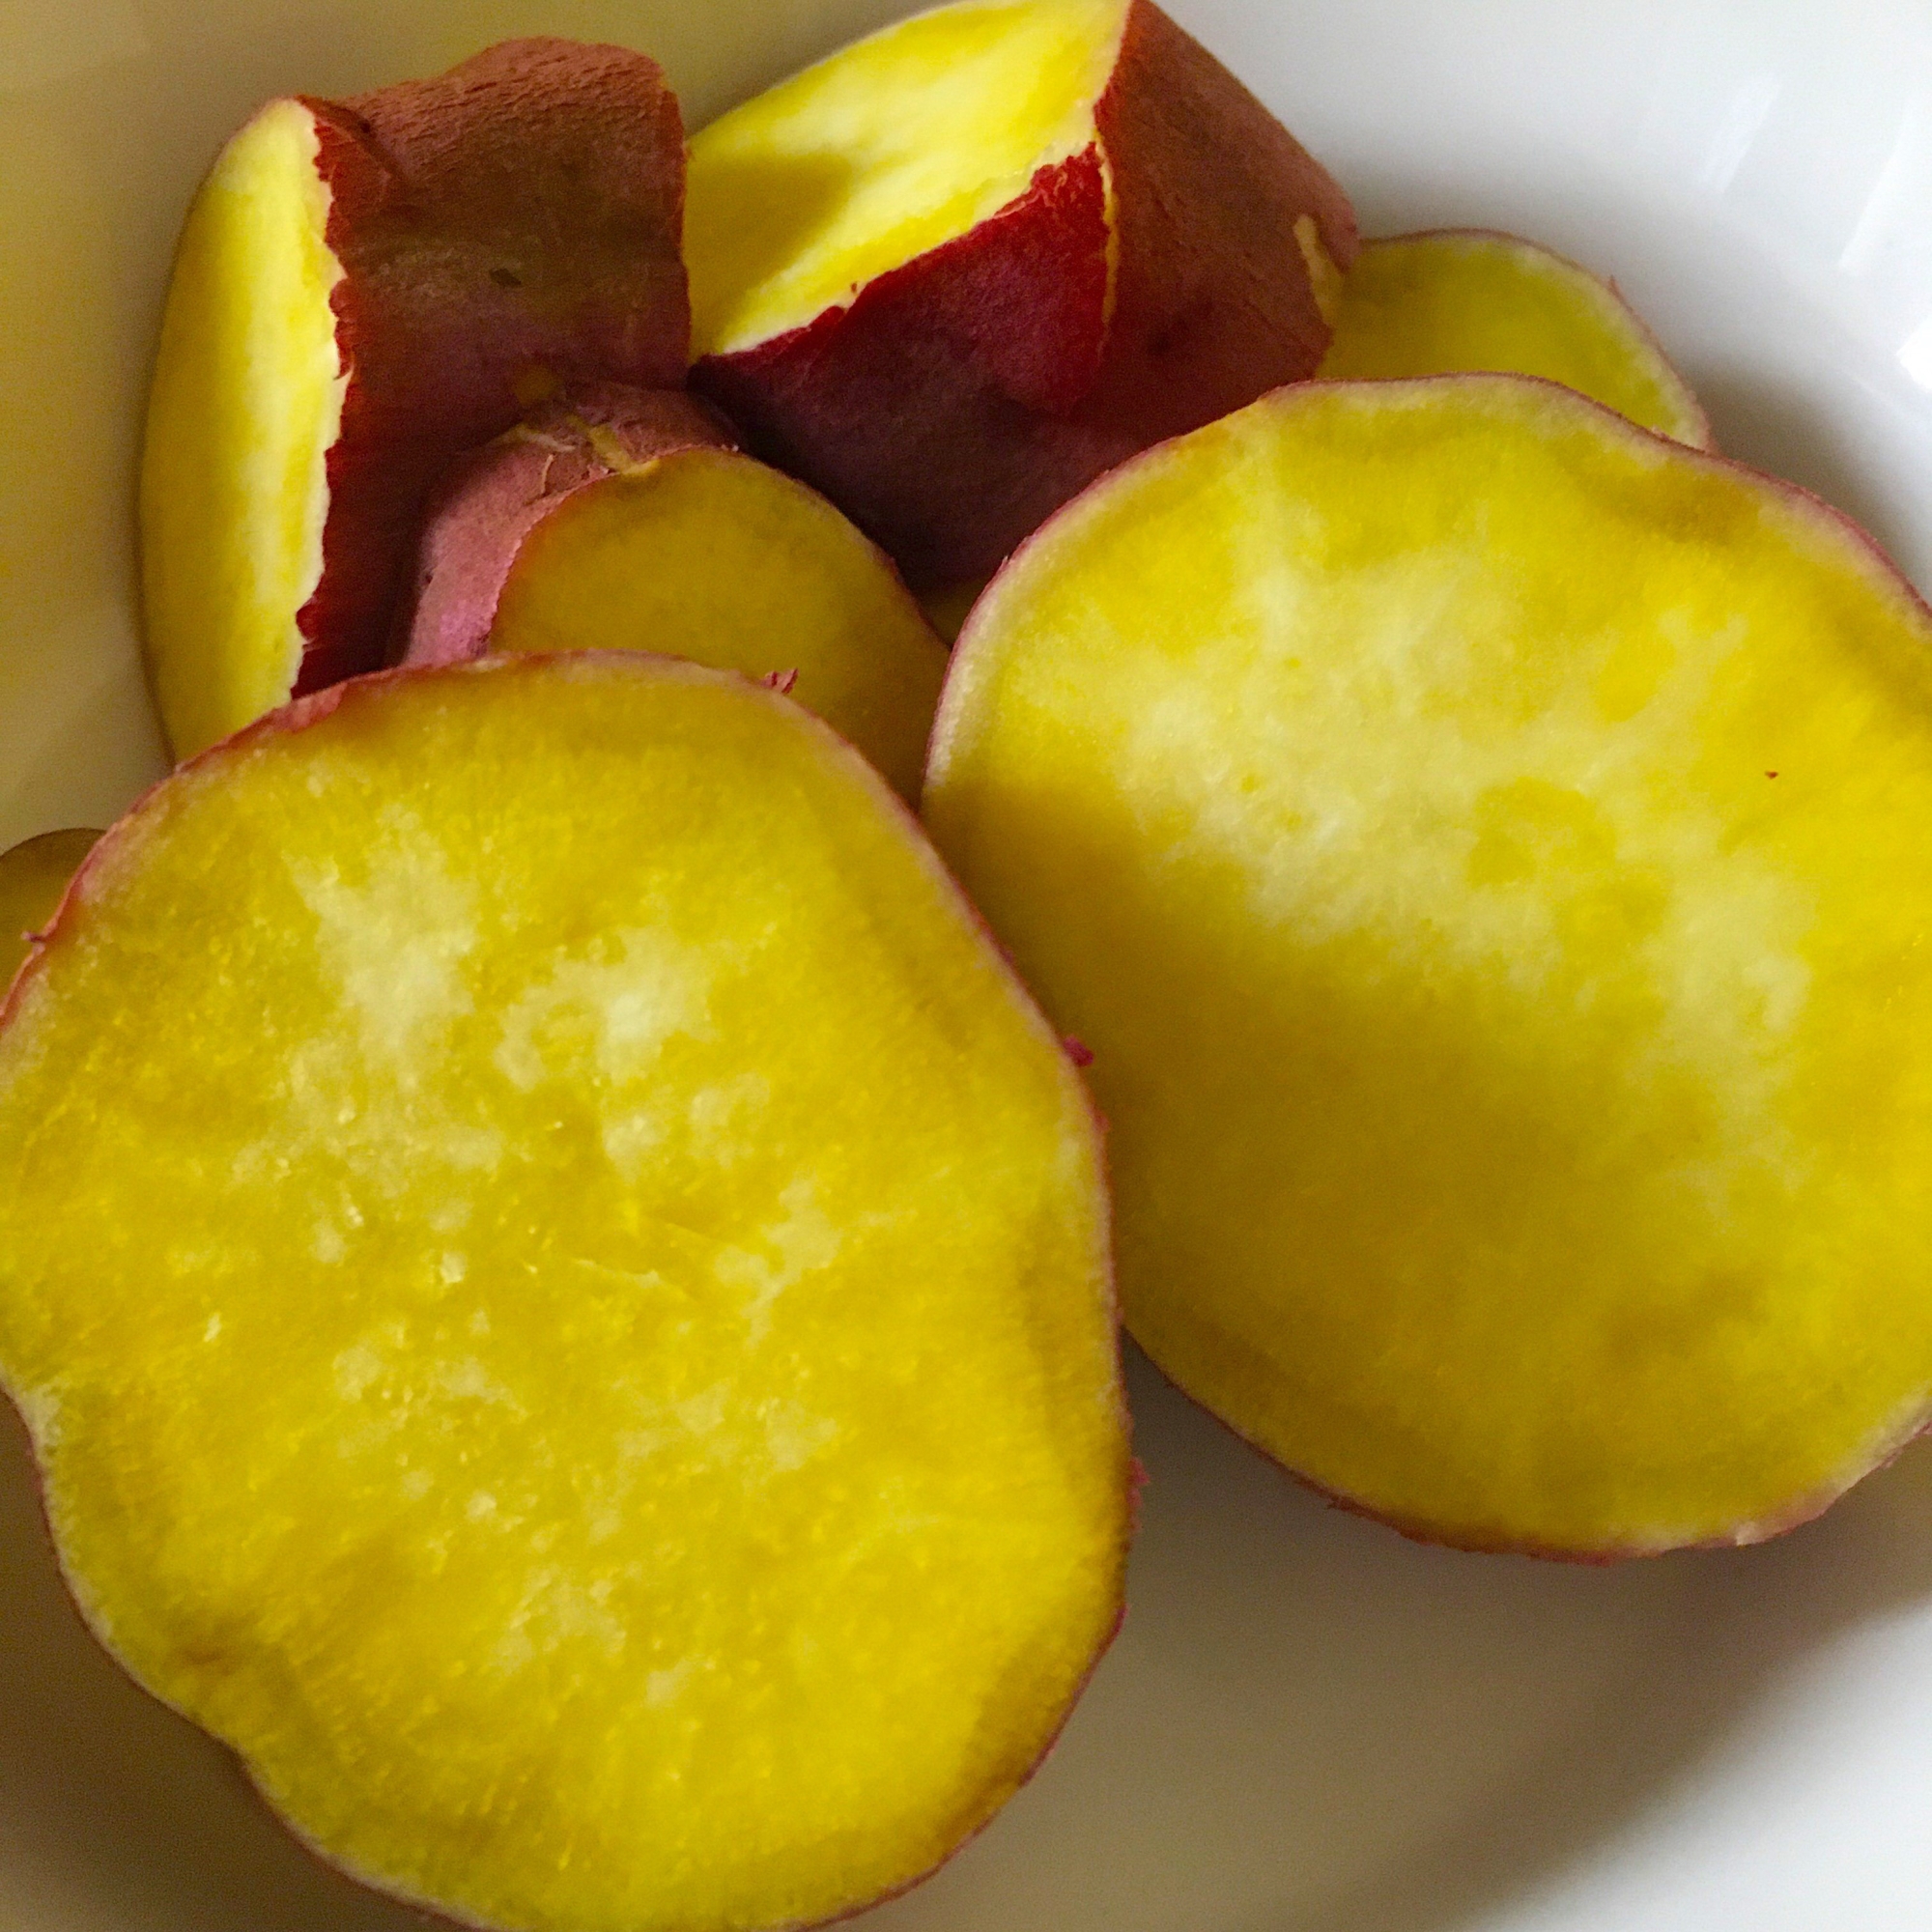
(363, 290)
(953, 272)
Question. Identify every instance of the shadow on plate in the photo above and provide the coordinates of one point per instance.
(1793, 435)
(1311, 1726)
(115, 1814)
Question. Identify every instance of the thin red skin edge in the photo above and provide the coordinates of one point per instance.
(1804, 499)
(434, 647)
(1686, 397)
(34, 938)
(311, 709)
(466, 534)
(1034, 275)
(1416, 1529)
(428, 392)
(971, 639)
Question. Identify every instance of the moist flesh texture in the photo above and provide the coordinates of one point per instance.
(709, 555)
(1488, 878)
(245, 404)
(561, 1289)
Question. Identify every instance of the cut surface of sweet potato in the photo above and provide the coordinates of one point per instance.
(587, 1357)
(628, 523)
(950, 273)
(245, 405)
(33, 876)
(1487, 878)
(1459, 299)
(904, 142)
(363, 289)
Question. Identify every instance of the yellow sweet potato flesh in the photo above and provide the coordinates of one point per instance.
(1481, 846)
(884, 150)
(246, 401)
(708, 556)
(1463, 300)
(561, 1292)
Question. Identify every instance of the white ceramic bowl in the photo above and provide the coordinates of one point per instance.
(1308, 1725)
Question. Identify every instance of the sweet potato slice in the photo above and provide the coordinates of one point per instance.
(1487, 874)
(1458, 300)
(954, 271)
(625, 521)
(591, 1360)
(33, 876)
(363, 290)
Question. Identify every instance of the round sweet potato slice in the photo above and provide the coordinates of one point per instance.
(1456, 300)
(561, 1291)
(1481, 844)
(621, 520)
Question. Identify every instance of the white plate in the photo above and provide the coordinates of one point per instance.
(1308, 1725)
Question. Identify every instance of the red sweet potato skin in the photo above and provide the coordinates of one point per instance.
(491, 499)
(1212, 304)
(964, 396)
(932, 411)
(524, 211)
